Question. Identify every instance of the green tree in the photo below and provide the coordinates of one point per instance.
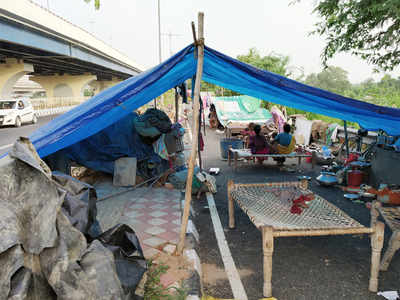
(332, 79)
(369, 29)
(390, 83)
(96, 3)
(276, 63)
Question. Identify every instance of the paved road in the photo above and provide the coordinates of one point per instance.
(9, 134)
(304, 268)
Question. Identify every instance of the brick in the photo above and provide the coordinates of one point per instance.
(155, 230)
(157, 221)
(157, 214)
(170, 249)
(154, 241)
(150, 253)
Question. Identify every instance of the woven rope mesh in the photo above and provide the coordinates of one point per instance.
(270, 204)
(391, 216)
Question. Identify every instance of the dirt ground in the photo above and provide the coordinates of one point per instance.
(328, 267)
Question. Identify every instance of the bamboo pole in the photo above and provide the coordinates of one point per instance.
(346, 138)
(176, 106)
(231, 206)
(195, 139)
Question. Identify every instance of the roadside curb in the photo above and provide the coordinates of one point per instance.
(194, 283)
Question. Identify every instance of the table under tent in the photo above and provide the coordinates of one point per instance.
(116, 103)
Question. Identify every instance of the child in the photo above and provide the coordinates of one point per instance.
(247, 133)
(258, 144)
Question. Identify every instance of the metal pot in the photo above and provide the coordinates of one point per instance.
(327, 179)
(367, 197)
(351, 197)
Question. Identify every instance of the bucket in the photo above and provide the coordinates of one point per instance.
(225, 143)
(354, 178)
(309, 159)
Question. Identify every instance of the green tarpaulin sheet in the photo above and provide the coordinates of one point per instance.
(240, 108)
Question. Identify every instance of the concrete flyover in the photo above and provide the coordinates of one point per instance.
(58, 55)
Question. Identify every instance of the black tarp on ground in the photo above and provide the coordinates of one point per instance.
(43, 256)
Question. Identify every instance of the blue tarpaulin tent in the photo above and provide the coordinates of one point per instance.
(111, 105)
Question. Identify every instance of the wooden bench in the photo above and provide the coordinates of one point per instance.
(236, 154)
(270, 213)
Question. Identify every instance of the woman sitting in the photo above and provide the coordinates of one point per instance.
(284, 143)
(213, 118)
(258, 144)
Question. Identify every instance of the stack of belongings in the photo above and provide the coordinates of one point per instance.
(319, 131)
(174, 144)
(52, 246)
(132, 136)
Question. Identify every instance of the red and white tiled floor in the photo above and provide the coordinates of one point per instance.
(154, 214)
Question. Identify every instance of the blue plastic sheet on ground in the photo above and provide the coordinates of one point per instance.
(111, 105)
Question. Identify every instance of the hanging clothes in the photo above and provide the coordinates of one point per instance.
(201, 141)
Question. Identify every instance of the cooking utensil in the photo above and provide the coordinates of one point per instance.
(304, 178)
(327, 179)
(351, 197)
(367, 197)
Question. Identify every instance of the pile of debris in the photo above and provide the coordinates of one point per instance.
(52, 246)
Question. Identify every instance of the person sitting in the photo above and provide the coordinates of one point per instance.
(284, 143)
(213, 118)
(247, 133)
(258, 144)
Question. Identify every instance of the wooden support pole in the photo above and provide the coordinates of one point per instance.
(176, 106)
(268, 250)
(377, 244)
(229, 155)
(231, 207)
(194, 34)
(346, 138)
(195, 139)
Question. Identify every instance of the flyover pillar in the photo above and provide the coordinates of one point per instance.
(64, 85)
(10, 71)
(105, 84)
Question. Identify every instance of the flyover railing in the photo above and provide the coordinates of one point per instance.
(55, 105)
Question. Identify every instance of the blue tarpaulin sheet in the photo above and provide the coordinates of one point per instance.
(99, 151)
(111, 105)
(240, 108)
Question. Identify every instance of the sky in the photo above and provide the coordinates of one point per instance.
(230, 26)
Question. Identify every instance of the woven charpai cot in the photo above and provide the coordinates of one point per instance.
(391, 216)
(269, 205)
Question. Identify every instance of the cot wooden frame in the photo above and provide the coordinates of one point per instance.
(391, 215)
(269, 233)
(234, 155)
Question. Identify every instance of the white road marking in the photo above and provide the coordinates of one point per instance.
(229, 265)
(5, 146)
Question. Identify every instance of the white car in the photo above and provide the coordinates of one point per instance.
(16, 112)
